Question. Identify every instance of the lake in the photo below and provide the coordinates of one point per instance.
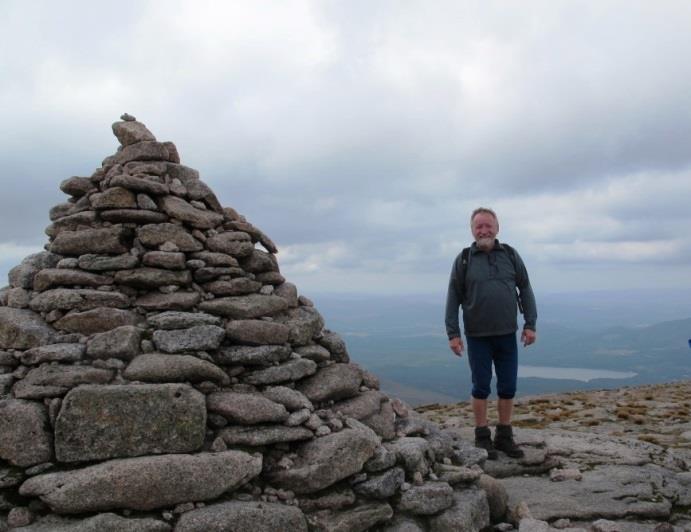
(576, 374)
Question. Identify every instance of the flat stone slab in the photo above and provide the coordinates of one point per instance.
(77, 299)
(249, 516)
(195, 338)
(288, 371)
(139, 184)
(101, 422)
(263, 355)
(25, 437)
(305, 323)
(334, 382)
(153, 235)
(427, 499)
(181, 320)
(96, 320)
(107, 522)
(67, 277)
(245, 307)
(158, 367)
(23, 329)
(257, 332)
(174, 301)
(53, 353)
(288, 397)
(121, 342)
(107, 263)
(264, 435)
(182, 210)
(246, 408)
(324, 461)
(469, 513)
(609, 492)
(144, 483)
(152, 277)
(234, 243)
(107, 241)
(360, 518)
(56, 380)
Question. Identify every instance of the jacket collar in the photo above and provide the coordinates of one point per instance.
(497, 247)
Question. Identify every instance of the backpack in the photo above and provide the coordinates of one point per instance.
(465, 254)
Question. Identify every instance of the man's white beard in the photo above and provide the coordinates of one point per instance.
(485, 243)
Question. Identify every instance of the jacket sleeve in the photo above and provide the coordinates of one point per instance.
(526, 294)
(454, 298)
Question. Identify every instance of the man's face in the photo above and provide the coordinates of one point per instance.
(485, 229)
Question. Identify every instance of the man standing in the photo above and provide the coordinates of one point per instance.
(484, 279)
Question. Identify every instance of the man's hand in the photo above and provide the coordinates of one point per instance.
(456, 345)
(528, 337)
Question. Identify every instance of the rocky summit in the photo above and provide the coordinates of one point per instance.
(158, 373)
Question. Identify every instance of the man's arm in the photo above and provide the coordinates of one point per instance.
(454, 297)
(528, 300)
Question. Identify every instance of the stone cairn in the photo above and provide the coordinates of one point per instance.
(157, 372)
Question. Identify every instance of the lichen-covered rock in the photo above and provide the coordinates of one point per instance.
(53, 353)
(469, 513)
(121, 342)
(239, 516)
(195, 338)
(334, 382)
(107, 241)
(153, 235)
(245, 307)
(181, 210)
(381, 486)
(25, 438)
(174, 301)
(257, 332)
(106, 522)
(77, 299)
(426, 499)
(181, 320)
(56, 380)
(358, 519)
(96, 320)
(246, 408)
(144, 483)
(22, 329)
(264, 435)
(130, 132)
(262, 355)
(100, 422)
(292, 370)
(157, 367)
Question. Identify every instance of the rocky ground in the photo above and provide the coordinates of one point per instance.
(609, 460)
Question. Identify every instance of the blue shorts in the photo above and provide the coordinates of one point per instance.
(503, 352)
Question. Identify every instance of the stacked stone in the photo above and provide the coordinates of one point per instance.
(157, 372)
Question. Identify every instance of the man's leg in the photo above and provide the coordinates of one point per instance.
(480, 361)
(506, 365)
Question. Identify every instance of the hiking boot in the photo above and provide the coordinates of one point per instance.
(503, 441)
(483, 440)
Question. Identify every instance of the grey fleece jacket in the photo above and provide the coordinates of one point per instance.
(488, 296)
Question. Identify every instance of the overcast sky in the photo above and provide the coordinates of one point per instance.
(360, 135)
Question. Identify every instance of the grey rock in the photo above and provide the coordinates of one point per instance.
(427, 499)
(174, 301)
(246, 408)
(470, 513)
(381, 486)
(55, 276)
(130, 132)
(358, 519)
(209, 273)
(140, 184)
(245, 307)
(93, 262)
(181, 210)
(153, 235)
(25, 437)
(18, 297)
(22, 329)
(22, 275)
(76, 186)
(454, 474)
(216, 259)
(270, 278)
(336, 346)
(10, 476)
(77, 299)
(238, 516)
(144, 483)
(257, 332)
(259, 261)
(497, 497)
(6, 382)
(54, 380)
(305, 324)
(411, 452)
(289, 292)
(195, 338)
(108, 240)
(106, 522)
(7, 359)
(401, 523)
(298, 417)
(324, 461)
(288, 371)
(334, 382)
(381, 459)
(133, 216)
(53, 353)
(152, 277)
(332, 499)
(360, 406)
(235, 243)
(259, 435)
(121, 342)
(144, 201)
(114, 198)
(181, 320)
(163, 259)
(291, 399)
(101, 422)
(142, 151)
(314, 352)
(383, 422)
(96, 320)
(610, 492)
(144, 169)
(74, 222)
(156, 367)
(234, 287)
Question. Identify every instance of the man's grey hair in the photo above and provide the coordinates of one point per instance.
(484, 210)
